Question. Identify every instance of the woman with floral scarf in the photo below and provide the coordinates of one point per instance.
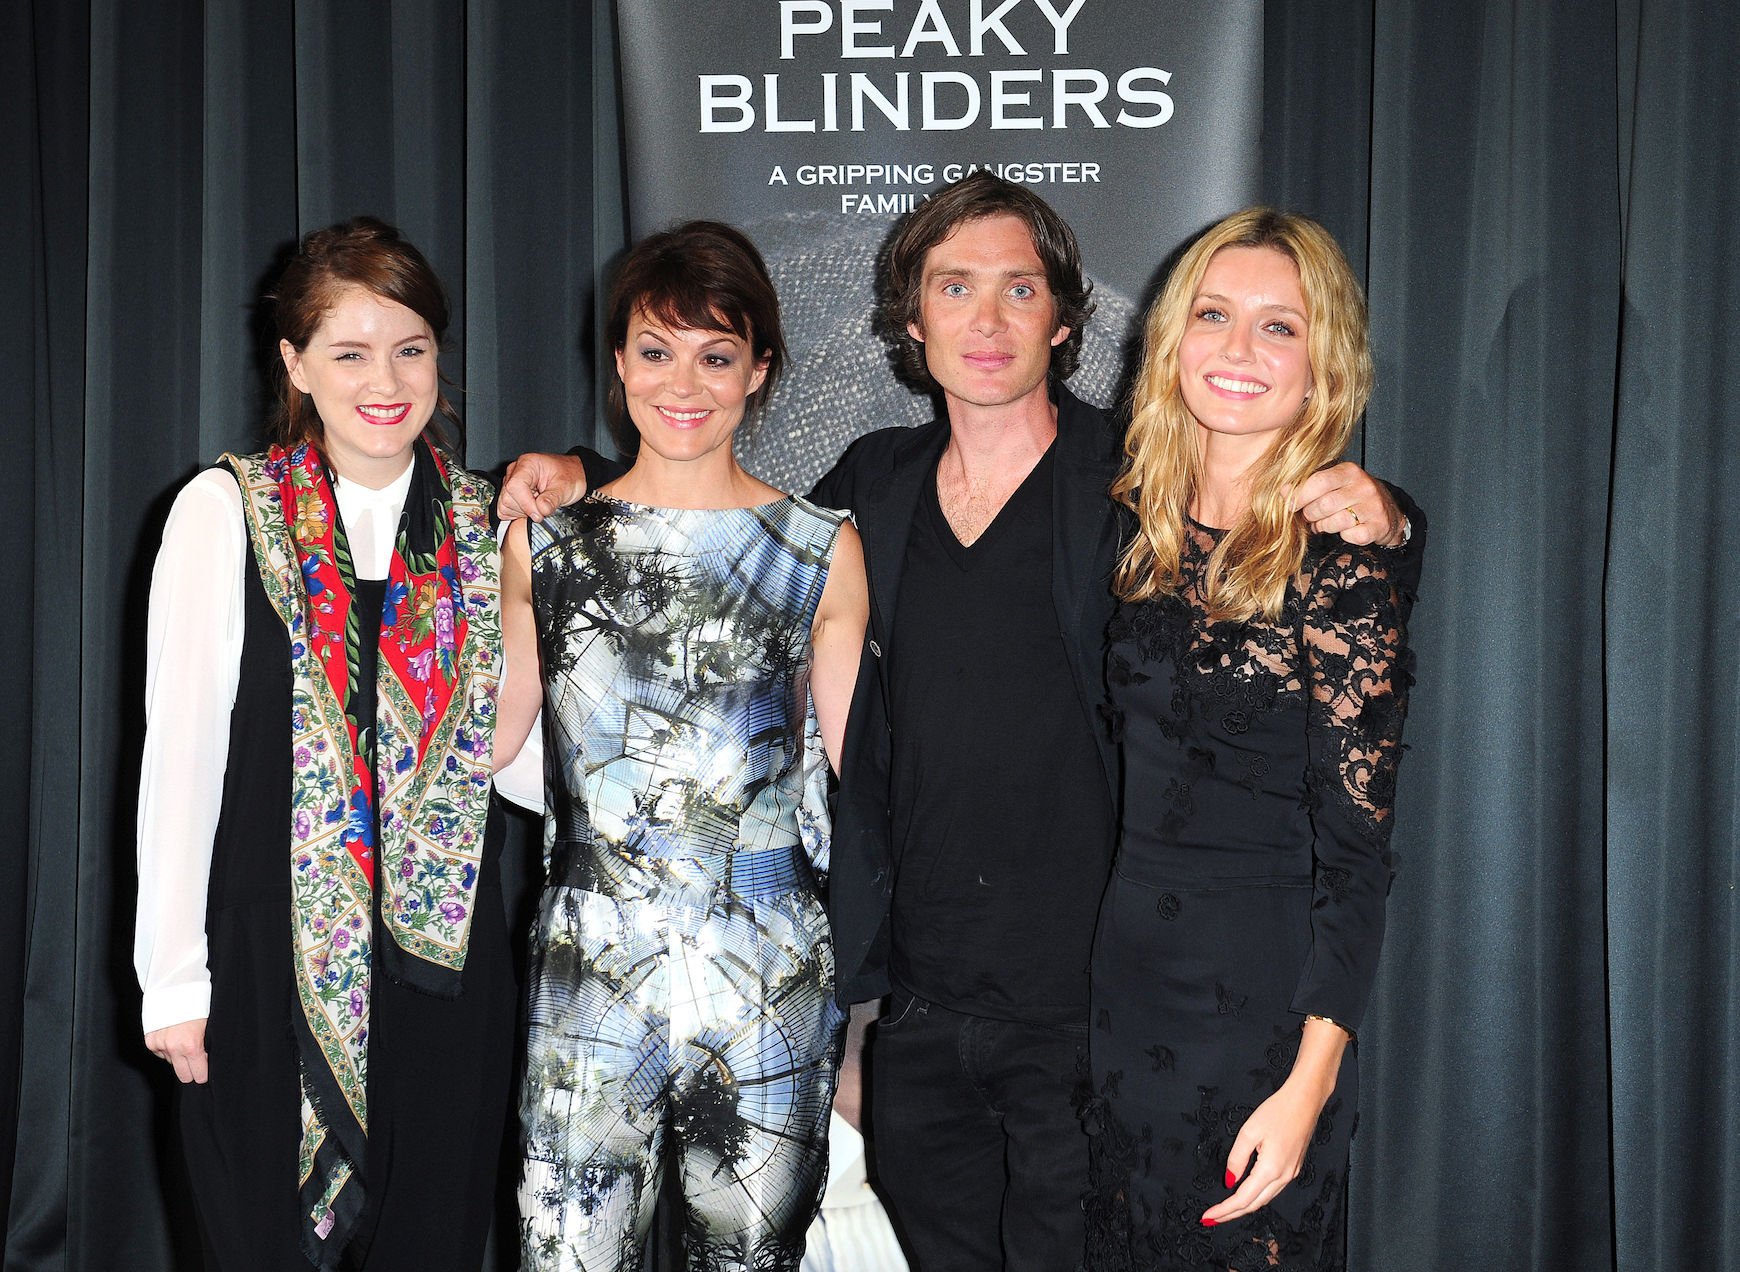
(321, 939)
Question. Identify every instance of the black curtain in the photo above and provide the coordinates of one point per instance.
(1543, 200)
(159, 159)
(1543, 196)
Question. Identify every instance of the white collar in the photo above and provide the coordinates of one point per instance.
(353, 494)
(371, 521)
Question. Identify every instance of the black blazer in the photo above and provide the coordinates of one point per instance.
(879, 480)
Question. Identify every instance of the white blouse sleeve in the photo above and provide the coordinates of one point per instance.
(522, 781)
(193, 654)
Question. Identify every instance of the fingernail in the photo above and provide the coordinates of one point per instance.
(1232, 1180)
(1209, 1223)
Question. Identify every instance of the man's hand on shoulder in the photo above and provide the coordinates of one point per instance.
(537, 484)
(1348, 501)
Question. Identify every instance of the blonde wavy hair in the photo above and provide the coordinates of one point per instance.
(1248, 572)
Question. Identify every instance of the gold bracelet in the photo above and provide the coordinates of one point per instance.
(1351, 1036)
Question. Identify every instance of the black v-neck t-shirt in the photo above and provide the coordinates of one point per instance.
(1000, 817)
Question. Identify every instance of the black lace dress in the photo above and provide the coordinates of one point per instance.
(1259, 770)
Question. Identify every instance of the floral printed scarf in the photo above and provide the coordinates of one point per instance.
(436, 674)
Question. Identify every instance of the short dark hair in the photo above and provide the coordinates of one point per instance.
(361, 252)
(974, 197)
(698, 276)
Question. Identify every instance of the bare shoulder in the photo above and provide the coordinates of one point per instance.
(847, 590)
(848, 547)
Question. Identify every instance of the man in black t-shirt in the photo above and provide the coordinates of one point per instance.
(976, 818)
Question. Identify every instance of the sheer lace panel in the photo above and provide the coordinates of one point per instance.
(1239, 666)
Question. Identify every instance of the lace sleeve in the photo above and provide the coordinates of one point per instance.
(1354, 637)
(1404, 562)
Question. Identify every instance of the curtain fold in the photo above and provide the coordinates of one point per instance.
(26, 392)
(248, 212)
(1494, 227)
(1673, 677)
(529, 227)
(1542, 198)
(1547, 203)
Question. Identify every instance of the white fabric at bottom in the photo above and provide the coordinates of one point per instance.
(852, 1233)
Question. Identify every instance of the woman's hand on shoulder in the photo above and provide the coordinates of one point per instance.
(183, 1046)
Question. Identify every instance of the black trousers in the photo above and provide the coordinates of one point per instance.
(978, 1147)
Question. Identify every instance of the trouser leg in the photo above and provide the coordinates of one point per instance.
(752, 1004)
(593, 1104)
(440, 1079)
(978, 1145)
(938, 1140)
(240, 1130)
(1032, 1073)
(244, 1192)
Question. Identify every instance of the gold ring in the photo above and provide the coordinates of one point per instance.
(1350, 512)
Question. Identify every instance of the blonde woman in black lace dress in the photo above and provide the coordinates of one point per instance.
(1258, 675)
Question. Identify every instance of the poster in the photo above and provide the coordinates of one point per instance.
(814, 124)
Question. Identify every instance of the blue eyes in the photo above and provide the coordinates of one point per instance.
(1274, 326)
(1020, 291)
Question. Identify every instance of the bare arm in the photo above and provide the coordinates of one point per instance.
(837, 639)
(523, 691)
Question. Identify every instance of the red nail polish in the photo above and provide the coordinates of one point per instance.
(1232, 1180)
(1209, 1223)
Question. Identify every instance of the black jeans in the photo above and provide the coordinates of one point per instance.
(978, 1147)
